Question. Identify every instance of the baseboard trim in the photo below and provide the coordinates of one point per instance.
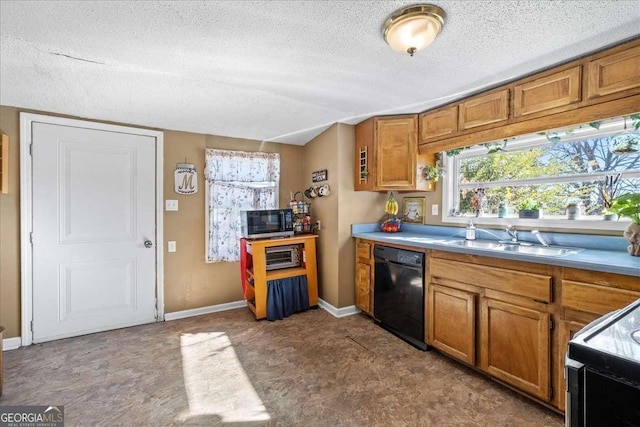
(204, 310)
(338, 312)
(11, 343)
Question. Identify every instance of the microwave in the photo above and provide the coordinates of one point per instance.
(268, 223)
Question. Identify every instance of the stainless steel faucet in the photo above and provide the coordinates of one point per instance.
(513, 233)
(541, 239)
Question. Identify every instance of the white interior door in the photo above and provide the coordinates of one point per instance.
(93, 195)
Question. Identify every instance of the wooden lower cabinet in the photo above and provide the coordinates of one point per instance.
(566, 330)
(451, 315)
(511, 319)
(515, 346)
(364, 276)
(363, 287)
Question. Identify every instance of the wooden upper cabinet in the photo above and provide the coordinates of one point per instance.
(396, 151)
(551, 92)
(438, 124)
(618, 73)
(484, 109)
(387, 155)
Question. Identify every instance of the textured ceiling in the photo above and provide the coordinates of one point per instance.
(277, 70)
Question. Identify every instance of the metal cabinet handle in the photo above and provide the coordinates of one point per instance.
(148, 243)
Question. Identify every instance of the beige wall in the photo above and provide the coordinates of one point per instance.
(189, 281)
(334, 150)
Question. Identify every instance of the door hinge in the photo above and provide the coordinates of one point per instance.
(31, 325)
(31, 238)
(155, 311)
(550, 392)
(31, 149)
(551, 324)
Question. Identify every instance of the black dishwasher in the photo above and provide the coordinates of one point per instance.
(398, 297)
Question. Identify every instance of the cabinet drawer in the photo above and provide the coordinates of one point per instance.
(438, 124)
(557, 90)
(594, 298)
(615, 73)
(484, 110)
(530, 285)
(363, 250)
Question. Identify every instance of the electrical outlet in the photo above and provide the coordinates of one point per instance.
(170, 205)
(434, 209)
(319, 225)
(171, 246)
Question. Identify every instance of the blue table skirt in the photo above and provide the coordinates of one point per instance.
(286, 296)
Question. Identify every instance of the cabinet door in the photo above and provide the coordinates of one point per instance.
(397, 148)
(363, 249)
(452, 322)
(483, 110)
(566, 331)
(550, 92)
(515, 346)
(616, 73)
(363, 286)
(438, 124)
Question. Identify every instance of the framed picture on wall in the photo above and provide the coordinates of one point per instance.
(413, 209)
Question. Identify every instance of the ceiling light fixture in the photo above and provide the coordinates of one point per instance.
(413, 28)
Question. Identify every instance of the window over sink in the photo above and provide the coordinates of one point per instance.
(571, 174)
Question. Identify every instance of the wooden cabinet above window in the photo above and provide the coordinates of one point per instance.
(596, 87)
(484, 110)
(618, 73)
(546, 93)
(439, 123)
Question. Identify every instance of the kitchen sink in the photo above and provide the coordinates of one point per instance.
(478, 244)
(520, 248)
(537, 250)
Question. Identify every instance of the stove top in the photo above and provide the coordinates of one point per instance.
(612, 344)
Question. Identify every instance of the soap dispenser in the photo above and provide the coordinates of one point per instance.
(470, 233)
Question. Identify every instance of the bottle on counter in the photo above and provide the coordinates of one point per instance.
(470, 233)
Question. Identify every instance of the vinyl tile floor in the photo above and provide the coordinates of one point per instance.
(226, 369)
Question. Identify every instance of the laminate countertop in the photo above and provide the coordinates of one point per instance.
(587, 252)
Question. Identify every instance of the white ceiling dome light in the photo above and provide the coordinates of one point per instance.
(413, 28)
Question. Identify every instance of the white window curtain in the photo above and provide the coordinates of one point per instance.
(236, 181)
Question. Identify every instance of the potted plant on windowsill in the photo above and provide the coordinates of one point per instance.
(530, 209)
(628, 206)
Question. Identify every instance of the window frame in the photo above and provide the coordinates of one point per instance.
(451, 186)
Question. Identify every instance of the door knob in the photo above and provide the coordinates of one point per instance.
(148, 243)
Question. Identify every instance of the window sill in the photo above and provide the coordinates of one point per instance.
(546, 223)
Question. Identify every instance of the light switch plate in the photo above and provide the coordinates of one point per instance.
(171, 246)
(170, 205)
(434, 209)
